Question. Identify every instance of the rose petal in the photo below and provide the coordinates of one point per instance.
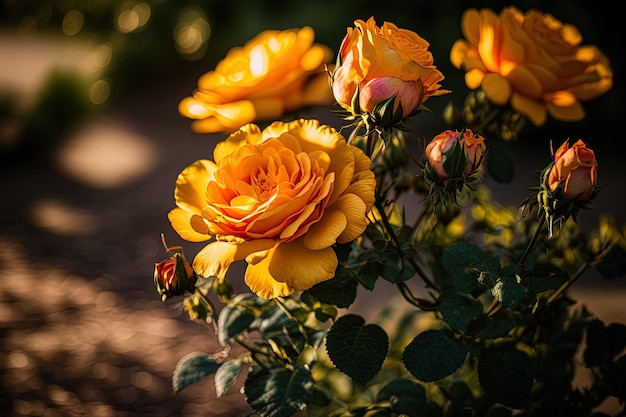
(261, 282)
(216, 257)
(189, 226)
(324, 233)
(299, 267)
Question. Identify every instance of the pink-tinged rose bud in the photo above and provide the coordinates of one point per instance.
(407, 94)
(173, 276)
(453, 154)
(575, 170)
(436, 151)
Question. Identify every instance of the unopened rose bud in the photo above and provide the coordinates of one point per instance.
(173, 276)
(453, 154)
(573, 174)
(391, 99)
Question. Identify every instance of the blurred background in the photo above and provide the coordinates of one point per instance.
(91, 143)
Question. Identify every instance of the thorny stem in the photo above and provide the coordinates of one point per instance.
(533, 240)
(398, 246)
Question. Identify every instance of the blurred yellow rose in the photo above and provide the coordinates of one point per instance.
(279, 198)
(530, 61)
(376, 64)
(274, 73)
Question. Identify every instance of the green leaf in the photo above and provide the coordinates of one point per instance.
(506, 377)
(466, 264)
(339, 291)
(433, 355)
(613, 264)
(357, 349)
(499, 325)
(459, 311)
(236, 316)
(192, 368)
(226, 376)
(405, 395)
(508, 291)
(278, 391)
(541, 284)
(603, 342)
(500, 164)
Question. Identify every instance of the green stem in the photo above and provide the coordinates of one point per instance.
(570, 281)
(398, 246)
(533, 240)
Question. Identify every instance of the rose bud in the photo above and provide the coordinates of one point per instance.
(391, 99)
(173, 276)
(453, 154)
(573, 174)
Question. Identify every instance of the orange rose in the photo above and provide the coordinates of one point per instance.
(279, 198)
(575, 169)
(274, 73)
(532, 62)
(453, 154)
(376, 64)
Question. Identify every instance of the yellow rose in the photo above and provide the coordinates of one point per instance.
(376, 64)
(532, 62)
(575, 169)
(279, 198)
(272, 74)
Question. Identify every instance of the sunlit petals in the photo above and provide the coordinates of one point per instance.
(299, 267)
(191, 185)
(533, 109)
(542, 58)
(216, 257)
(324, 233)
(189, 226)
(353, 208)
(572, 112)
(260, 81)
(261, 282)
(497, 88)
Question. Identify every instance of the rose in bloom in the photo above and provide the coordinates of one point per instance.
(278, 198)
(274, 73)
(453, 154)
(173, 276)
(575, 170)
(378, 64)
(530, 61)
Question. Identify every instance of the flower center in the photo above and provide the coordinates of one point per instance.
(263, 184)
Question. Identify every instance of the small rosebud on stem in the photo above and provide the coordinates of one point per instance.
(175, 275)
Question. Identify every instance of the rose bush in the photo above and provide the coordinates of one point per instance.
(575, 170)
(274, 73)
(280, 198)
(376, 64)
(530, 61)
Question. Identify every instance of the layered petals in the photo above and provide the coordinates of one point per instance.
(279, 198)
(272, 74)
(530, 61)
(376, 64)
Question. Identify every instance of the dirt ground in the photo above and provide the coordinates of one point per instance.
(82, 330)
